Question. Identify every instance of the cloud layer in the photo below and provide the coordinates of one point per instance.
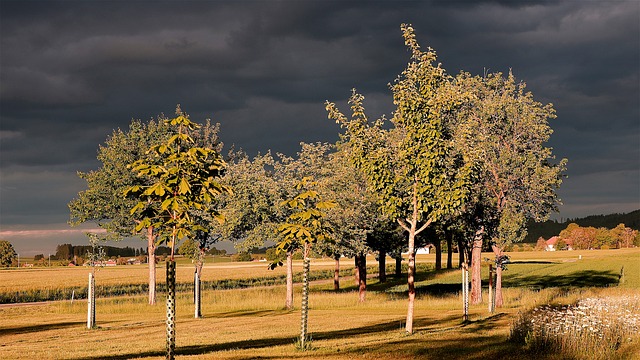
(73, 71)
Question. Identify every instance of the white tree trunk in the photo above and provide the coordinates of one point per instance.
(289, 299)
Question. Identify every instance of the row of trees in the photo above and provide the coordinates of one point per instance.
(462, 158)
(598, 238)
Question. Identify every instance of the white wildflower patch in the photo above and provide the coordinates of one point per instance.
(593, 328)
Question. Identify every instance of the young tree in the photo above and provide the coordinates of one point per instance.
(409, 167)
(304, 227)
(184, 181)
(503, 130)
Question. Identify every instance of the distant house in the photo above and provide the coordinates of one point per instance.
(421, 251)
(551, 244)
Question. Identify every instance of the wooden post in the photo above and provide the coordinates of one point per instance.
(465, 292)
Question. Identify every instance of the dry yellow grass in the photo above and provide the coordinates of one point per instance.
(250, 323)
(54, 277)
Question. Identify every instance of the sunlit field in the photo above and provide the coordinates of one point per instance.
(251, 323)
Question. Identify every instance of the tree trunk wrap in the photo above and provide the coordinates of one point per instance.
(304, 312)
(289, 296)
(461, 252)
(491, 295)
(412, 289)
(498, 288)
(336, 275)
(171, 309)
(151, 262)
(91, 302)
(465, 292)
(197, 296)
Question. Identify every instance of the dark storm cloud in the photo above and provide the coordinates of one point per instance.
(72, 71)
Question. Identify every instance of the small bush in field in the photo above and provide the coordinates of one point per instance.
(594, 328)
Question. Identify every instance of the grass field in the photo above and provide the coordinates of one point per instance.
(251, 323)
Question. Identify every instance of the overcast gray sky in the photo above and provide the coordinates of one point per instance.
(71, 72)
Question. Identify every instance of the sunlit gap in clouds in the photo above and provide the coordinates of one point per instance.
(40, 233)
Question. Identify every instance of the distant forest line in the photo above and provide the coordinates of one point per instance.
(551, 228)
(545, 229)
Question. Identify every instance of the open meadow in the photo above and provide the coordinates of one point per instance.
(249, 322)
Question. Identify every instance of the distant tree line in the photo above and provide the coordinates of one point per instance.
(550, 228)
(68, 251)
(589, 237)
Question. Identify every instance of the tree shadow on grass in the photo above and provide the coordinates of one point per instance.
(38, 328)
(585, 278)
(256, 313)
(421, 324)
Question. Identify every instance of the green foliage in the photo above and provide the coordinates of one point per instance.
(305, 225)
(183, 180)
(242, 256)
(7, 253)
(503, 130)
(103, 202)
(273, 256)
(253, 212)
(64, 252)
(189, 248)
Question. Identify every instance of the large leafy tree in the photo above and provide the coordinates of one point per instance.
(103, 203)
(504, 131)
(409, 167)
